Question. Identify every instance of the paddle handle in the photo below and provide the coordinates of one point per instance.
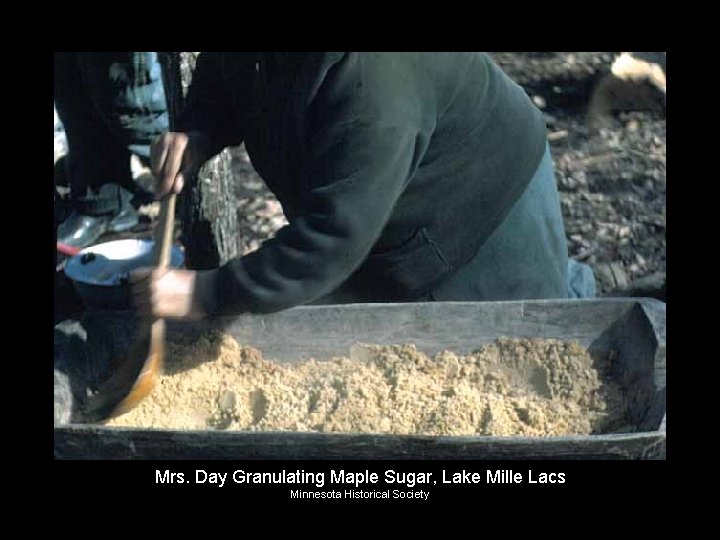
(164, 231)
(170, 62)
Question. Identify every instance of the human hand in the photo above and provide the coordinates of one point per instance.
(165, 293)
(175, 157)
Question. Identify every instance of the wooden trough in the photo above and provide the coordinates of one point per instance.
(633, 328)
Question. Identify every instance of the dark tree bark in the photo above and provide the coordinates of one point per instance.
(210, 231)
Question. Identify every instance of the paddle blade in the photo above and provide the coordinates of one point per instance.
(134, 379)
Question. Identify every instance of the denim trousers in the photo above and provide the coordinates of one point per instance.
(111, 105)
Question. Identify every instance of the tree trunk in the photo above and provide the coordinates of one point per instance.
(210, 231)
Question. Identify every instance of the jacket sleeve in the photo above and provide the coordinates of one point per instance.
(209, 106)
(365, 141)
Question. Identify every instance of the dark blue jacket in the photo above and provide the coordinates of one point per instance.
(392, 168)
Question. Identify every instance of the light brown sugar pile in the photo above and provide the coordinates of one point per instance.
(530, 387)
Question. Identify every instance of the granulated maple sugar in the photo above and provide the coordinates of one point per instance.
(530, 387)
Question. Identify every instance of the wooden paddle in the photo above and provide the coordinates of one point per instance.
(137, 374)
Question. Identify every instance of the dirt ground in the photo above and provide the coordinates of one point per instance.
(611, 178)
(610, 173)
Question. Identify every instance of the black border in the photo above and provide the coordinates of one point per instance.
(623, 480)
